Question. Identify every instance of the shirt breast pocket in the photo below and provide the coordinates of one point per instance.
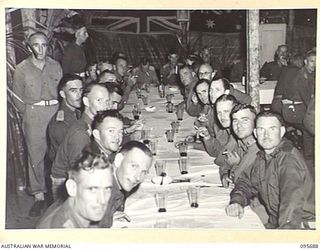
(33, 86)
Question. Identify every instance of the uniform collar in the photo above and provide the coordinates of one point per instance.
(102, 149)
(46, 61)
(66, 108)
(244, 145)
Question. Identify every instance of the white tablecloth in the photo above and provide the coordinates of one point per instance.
(141, 206)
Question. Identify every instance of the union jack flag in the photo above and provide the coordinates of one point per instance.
(138, 21)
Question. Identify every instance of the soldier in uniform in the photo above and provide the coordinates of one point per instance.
(199, 103)
(170, 70)
(107, 131)
(217, 136)
(35, 84)
(305, 85)
(70, 89)
(125, 78)
(220, 86)
(278, 177)
(107, 76)
(206, 72)
(89, 188)
(131, 165)
(146, 74)
(188, 79)
(95, 98)
(207, 57)
(74, 59)
(242, 156)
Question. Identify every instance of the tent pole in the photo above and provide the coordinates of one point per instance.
(253, 57)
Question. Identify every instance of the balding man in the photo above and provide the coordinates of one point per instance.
(272, 70)
(35, 84)
(206, 72)
(207, 57)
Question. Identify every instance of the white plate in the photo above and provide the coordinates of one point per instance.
(151, 109)
(158, 179)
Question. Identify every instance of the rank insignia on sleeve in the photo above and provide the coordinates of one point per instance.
(60, 116)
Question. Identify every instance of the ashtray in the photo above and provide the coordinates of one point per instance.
(151, 109)
(190, 138)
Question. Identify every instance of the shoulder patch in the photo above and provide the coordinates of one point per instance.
(60, 116)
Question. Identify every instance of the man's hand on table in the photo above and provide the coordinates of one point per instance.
(227, 182)
(121, 216)
(235, 210)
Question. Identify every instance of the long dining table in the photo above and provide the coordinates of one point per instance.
(141, 206)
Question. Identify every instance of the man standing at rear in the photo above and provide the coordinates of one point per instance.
(35, 86)
(74, 59)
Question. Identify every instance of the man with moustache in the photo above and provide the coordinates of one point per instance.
(278, 177)
(35, 82)
(70, 90)
(95, 98)
(89, 188)
(131, 164)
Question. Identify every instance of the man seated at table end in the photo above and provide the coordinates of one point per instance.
(279, 178)
(131, 164)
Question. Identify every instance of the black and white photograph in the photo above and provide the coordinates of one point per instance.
(160, 119)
